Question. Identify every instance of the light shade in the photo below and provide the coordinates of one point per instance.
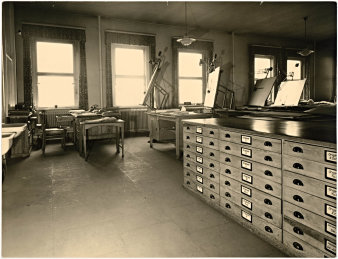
(186, 41)
(305, 52)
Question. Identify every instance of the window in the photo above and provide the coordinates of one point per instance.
(294, 69)
(55, 75)
(130, 70)
(264, 68)
(190, 77)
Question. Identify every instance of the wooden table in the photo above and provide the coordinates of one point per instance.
(165, 126)
(119, 124)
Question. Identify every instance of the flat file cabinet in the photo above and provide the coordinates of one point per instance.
(282, 188)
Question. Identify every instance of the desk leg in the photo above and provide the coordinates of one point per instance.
(84, 142)
(178, 138)
(117, 139)
(151, 133)
(122, 140)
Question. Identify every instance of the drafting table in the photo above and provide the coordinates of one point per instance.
(165, 126)
(119, 124)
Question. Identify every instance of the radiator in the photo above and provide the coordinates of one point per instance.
(51, 116)
(135, 120)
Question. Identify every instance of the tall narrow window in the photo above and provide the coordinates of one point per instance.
(130, 70)
(190, 77)
(294, 69)
(55, 75)
(264, 68)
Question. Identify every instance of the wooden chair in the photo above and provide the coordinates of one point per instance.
(66, 122)
(51, 133)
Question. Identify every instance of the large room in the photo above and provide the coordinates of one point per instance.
(169, 129)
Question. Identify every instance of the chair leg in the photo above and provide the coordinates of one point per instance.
(43, 145)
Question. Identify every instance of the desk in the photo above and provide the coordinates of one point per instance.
(168, 126)
(119, 124)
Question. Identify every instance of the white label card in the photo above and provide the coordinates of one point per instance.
(199, 140)
(199, 150)
(199, 159)
(246, 152)
(199, 130)
(199, 179)
(247, 178)
(330, 210)
(330, 228)
(199, 169)
(330, 192)
(246, 216)
(246, 139)
(246, 165)
(246, 191)
(200, 189)
(247, 204)
(330, 246)
(330, 174)
(330, 156)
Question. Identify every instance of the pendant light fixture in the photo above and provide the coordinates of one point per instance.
(305, 52)
(186, 40)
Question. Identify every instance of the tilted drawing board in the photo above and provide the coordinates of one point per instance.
(210, 95)
(289, 93)
(261, 91)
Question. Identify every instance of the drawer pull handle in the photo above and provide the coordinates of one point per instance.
(298, 231)
(298, 166)
(211, 132)
(227, 194)
(227, 183)
(187, 155)
(227, 135)
(227, 205)
(298, 215)
(267, 144)
(212, 186)
(268, 158)
(227, 159)
(297, 246)
(188, 165)
(268, 229)
(211, 176)
(297, 150)
(267, 201)
(268, 215)
(211, 143)
(211, 165)
(187, 137)
(298, 198)
(188, 146)
(211, 154)
(188, 182)
(227, 171)
(268, 187)
(212, 196)
(227, 148)
(188, 128)
(268, 173)
(298, 182)
(188, 174)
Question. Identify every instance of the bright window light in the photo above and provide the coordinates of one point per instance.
(189, 64)
(294, 69)
(261, 64)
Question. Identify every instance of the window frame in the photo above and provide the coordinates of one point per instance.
(146, 75)
(203, 77)
(76, 71)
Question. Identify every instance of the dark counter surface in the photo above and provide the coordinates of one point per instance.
(316, 129)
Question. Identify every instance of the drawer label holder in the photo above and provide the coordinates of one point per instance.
(246, 191)
(247, 178)
(330, 156)
(246, 152)
(246, 139)
(330, 174)
(199, 139)
(199, 179)
(330, 192)
(247, 216)
(200, 189)
(199, 130)
(199, 159)
(330, 228)
(246, 204)
(330, 246)
(246, 165)
(199, 169)
(330, 211)
(199, 149)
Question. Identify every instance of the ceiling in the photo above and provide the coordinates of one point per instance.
(275, 19)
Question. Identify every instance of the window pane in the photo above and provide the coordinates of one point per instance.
(188, 64)
(190, 90)
(129, 91)
(129, 61)
(294, 68)
(54, 57)
(261, 65)
(56, 90)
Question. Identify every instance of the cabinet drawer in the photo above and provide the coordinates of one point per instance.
(310, 219)
(269, 144)
(207, 163)
(207, 183)
(255, 181)
(313, 169)
(211, 132)
(255, 154)
(310, 236)
(201, 170)
(256, 195)
(189, 137)
(209, 195)
(309, 185)
(307, 201)
(252, 220)
(201, 150)
(301, 248)
(189, 128)
(259, 209)
(268, 173)
(188, 182)
(310, 152)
